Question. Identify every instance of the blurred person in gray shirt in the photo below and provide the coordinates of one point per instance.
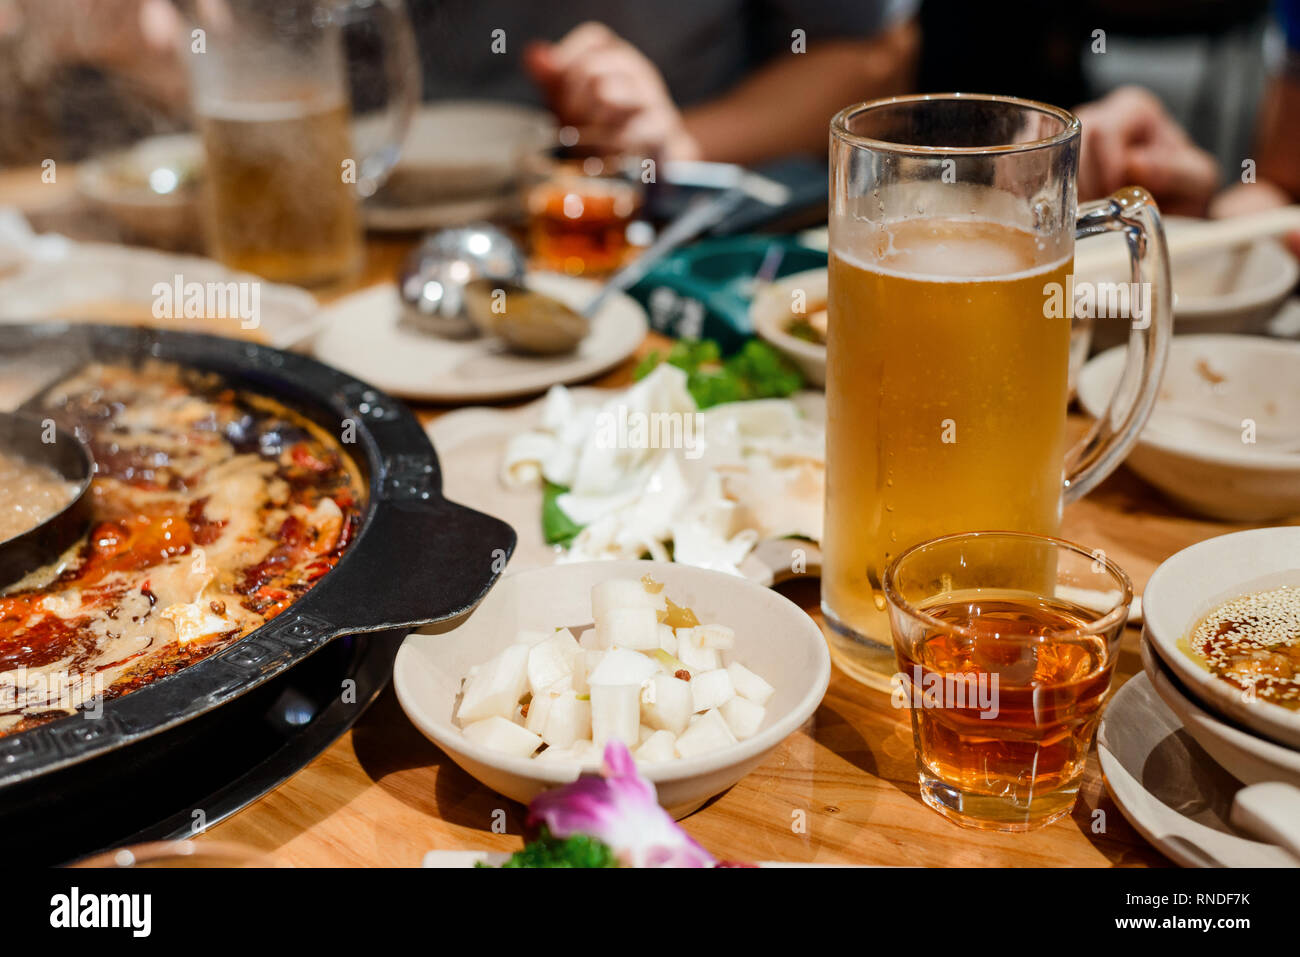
(736, 80)
(733, 80)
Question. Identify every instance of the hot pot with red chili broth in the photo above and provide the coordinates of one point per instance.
(247, 506)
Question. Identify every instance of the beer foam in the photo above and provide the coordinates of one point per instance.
(268, 111)
(952, 251)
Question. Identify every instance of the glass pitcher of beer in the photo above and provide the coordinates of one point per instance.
(269, 88)
(952, 229)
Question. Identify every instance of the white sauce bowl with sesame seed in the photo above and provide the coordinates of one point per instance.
(1194, 582)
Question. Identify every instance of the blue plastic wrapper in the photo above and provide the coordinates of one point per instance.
(704, 291)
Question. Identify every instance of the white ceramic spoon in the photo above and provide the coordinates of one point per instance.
(1269, 812)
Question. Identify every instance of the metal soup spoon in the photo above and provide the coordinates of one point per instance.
(452, 294)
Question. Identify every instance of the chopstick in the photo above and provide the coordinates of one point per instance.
(1215, 234)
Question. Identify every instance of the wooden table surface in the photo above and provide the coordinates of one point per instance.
(842, 790)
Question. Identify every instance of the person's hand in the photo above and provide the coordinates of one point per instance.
(603, 86)
(1130, 140)
(1245, 198)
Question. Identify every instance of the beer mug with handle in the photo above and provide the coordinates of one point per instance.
(284, 170)
(952, 227)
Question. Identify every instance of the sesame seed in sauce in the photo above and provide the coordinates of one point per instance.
(1253, 642)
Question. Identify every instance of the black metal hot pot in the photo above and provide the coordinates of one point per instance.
(417, 559)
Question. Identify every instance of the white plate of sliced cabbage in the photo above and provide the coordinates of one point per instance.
(585, 474)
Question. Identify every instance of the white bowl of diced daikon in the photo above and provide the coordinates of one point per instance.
(758, 668)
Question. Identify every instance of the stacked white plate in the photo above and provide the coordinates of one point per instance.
(1190, 584)
(1178, 743)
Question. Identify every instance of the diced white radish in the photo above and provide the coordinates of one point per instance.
(743, 717)
(608, 596)
(666, 703)
(502, 735)
(615, 714)
(540, 704)
(711, 689)
(583, 668)
(660, 746)
(587, 751)
(749, 685)
(497, 687)
(636, 628)
(550, 660)
(581, 752)
(538, 708)
(622, 667)
(692, 652)
(707, 734)
(570, 695)
(558, 755)
(562, 686)
(568, 720)
(658, 599)
(668, 639)
(717, 637)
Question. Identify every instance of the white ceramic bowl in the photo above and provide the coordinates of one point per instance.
(1235, 290)
(770, 312)
(462, 160)
(774, 638)
(166, 214)
(1189, 584)
(1208, 468)
(1247, 757)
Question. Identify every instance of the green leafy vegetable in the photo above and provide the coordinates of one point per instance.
(557, 528)
(757, 371)
(577, 850)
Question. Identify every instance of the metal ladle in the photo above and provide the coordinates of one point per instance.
(433, 278)
(26, 437)
(448, 290)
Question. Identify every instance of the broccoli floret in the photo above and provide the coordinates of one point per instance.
(578, 850)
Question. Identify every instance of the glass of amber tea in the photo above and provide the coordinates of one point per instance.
(952, 227)
(283, 174)
(578, 217)
(1005, 643)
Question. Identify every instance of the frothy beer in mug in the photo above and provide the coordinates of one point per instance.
(279, 203)
(946, 392)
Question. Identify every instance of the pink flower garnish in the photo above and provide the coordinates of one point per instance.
(621, 809)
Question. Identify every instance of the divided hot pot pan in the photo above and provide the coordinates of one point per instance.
(417, 558)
